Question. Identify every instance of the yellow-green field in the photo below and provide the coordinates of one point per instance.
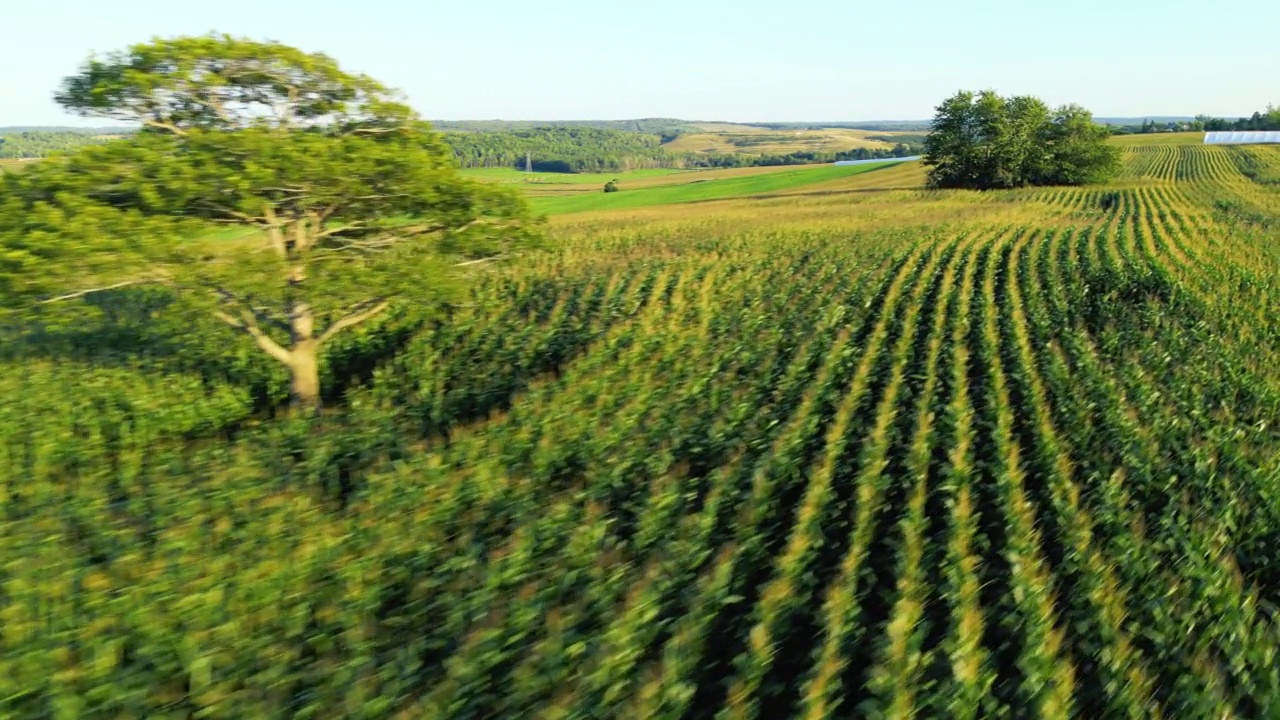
(747, 140)
(1017, 446)
(7, 165)
(1140, 140)
(851, 448)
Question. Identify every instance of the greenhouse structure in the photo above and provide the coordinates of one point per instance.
(1242, 137)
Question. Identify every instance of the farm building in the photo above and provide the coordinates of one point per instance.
(1242, 137)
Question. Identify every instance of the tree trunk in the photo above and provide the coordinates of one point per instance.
(304, 367)
(304, 358)
(302, 354)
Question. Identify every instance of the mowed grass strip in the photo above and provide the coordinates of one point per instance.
(520, 177)
(708, 189)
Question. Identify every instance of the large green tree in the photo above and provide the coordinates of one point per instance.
(1073, 150)
(984, 141)
(338, 199)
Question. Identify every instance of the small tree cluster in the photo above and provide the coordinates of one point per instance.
(1268, 120)
(983, 141)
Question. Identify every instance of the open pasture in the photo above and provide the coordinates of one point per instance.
(531, 181)
(688, 187)
(14, 165)
(561, 184)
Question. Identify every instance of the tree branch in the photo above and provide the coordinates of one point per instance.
(245, 304)
(283, 189)
(165, 126)
(324, 215)
(481, 260)
(246, 324)
(381, 243)
(274, 232)
(241, 218)
(354, 318)
(392, 236)
(473, 223)
(338, 229)
(216, 104)
(380, 196)
(90, 291)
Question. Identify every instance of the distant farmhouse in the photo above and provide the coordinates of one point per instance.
(1251, 137)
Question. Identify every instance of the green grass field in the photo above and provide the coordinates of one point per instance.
(519, 177)
(697, 189)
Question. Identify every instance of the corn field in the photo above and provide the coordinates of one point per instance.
(855, 452)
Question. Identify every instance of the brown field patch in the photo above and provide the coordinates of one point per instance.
(745, 140)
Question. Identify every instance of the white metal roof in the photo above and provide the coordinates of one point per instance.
(1241, 137)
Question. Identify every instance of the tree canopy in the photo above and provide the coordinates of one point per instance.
(220, 82)
(336, 197)
(984, 141)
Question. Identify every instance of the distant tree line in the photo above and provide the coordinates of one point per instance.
(564, 149)
(802, 157)
(567, 149)
(648, 126)
(983, 141)
(1155, 125)
(1151, 126)
(43, 143)
(1259, 120)
(1268, 120)
(881, 126)
(579, 149)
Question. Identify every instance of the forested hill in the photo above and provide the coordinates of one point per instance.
(578, 149)
(551, 149)
(30, 143)
(567, 149)
(102, 130)
(650, 126)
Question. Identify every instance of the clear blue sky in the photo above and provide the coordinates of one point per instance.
(702, 59)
